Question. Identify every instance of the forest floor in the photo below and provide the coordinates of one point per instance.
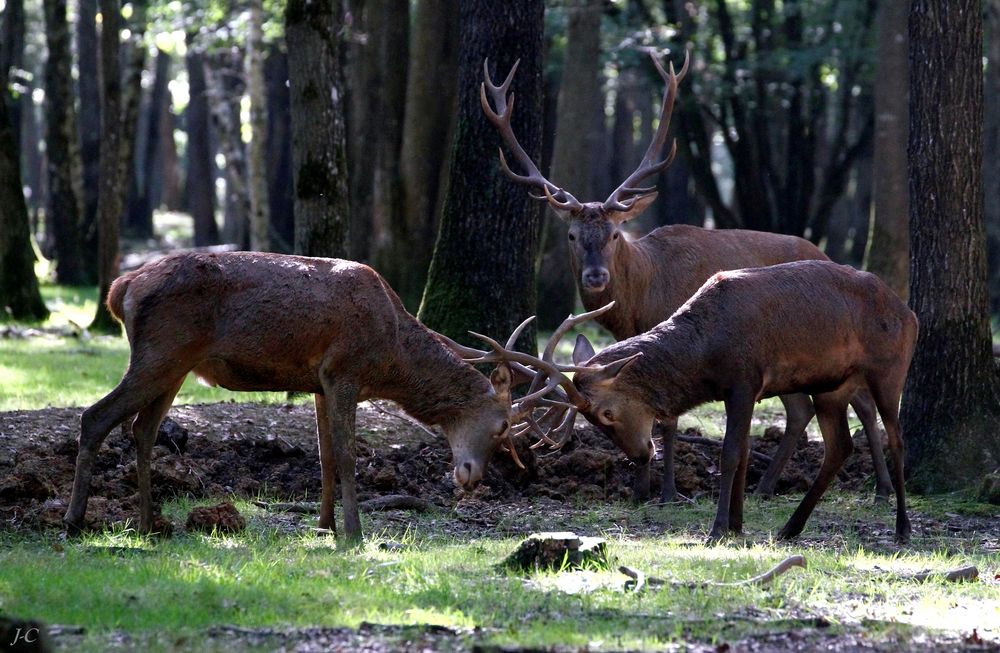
(254, 454)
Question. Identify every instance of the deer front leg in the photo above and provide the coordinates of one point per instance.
(864, 407)
(739, 410)
(831, 412)
(327, 465)
(798, 412)
(341, 405)
(668, 486)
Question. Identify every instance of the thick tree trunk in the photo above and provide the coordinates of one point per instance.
(362, 79)
(168, 189)
(425, 152)
(950, 410)
(319, 157)
(991, 150)
(19, 294)
(109, 202)
(131, 142)
(482, 275)
(226, 88)
(200, 164)
(88, 85)
(390, 248)
(257, 160)
(62, 149)
(279, 152)
(575, 143)
(889, 240)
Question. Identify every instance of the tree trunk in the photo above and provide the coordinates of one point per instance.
(143, 194)
(279, 152)
(109, 203)
(257, 160)
(889, 240)
(226, 87)
(62, 149)
(950, 408)
(319, 157)
(131, 141)
(575, 142)
(167, 187)
(19, 294)
(90, 126)
(482, 275)
(362, 79)
(991, 150)
(200, 163)
(431, 104)
(389, 253)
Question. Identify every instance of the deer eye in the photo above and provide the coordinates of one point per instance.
(572, 237)
(503, 427)
(608, 416)
(615, 236)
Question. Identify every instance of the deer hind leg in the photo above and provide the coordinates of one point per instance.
(327, 464)
(134, 392)
(739, 410)
(341, 406)
(144, 429)
(831, 412)
(886, 397)
(798, 410)
(864, 407)
(668, 485)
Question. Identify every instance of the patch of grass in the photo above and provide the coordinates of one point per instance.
(118, 582)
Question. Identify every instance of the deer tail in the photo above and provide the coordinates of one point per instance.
(116, 297)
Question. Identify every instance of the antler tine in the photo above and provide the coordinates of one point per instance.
(517, 332)
(567, 325)
(501, 120)
(649, 165)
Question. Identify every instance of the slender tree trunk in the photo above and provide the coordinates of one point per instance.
(109, 203)
(200, 164)
(431, 104)
(134, 61)
(19, 294)
(144, 180)
(489, 224)
(62, 149)
(951, 404)
(389, 252)
(575, 143)
(225, 90)
(257, 160)
(889, 240)
(312, 29)
(88, 84)
(279, 152)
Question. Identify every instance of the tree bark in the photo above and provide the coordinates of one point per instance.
(143, 181)
(62, 149)
(167, 186)
(482, 275)
(319, 158)
(575, 142)
(226, 87)
(951, 404)
(889, 240)
(88, 85)
(19, 294)
(200, 163)
(991, 150)
(279, 152)
(109, 202)
(431, 104)
(257, 160)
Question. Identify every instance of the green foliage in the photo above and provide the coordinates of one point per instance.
(158, 592)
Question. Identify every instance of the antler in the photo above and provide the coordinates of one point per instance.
(625, 196)
(557, 197)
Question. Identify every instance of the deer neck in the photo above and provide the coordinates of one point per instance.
(428, 380)
(627, 284)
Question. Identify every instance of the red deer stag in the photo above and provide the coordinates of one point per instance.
(648, 279)
(252, 321)
(810, 327)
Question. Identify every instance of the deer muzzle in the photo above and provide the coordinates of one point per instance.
(468, 474)
(595, 278)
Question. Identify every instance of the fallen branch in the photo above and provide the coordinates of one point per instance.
(305, 508)
(397, 502)
(712, 442)
(954, 575)
(403, 418)
(639, 580)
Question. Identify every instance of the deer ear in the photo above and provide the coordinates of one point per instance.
(502, 378)
(583, 351)
(612, 370)
(640, 204)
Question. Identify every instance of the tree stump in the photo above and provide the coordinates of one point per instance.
(559, 551)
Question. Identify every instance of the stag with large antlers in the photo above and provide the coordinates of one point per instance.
(809, 326)
(253, 321)
(649, 278)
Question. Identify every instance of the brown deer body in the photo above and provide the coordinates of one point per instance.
(805, 327)
(650, 278)
(254, 321)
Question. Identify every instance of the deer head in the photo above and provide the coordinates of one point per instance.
(594, 227)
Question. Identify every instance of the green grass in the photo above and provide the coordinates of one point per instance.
(118, 582)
